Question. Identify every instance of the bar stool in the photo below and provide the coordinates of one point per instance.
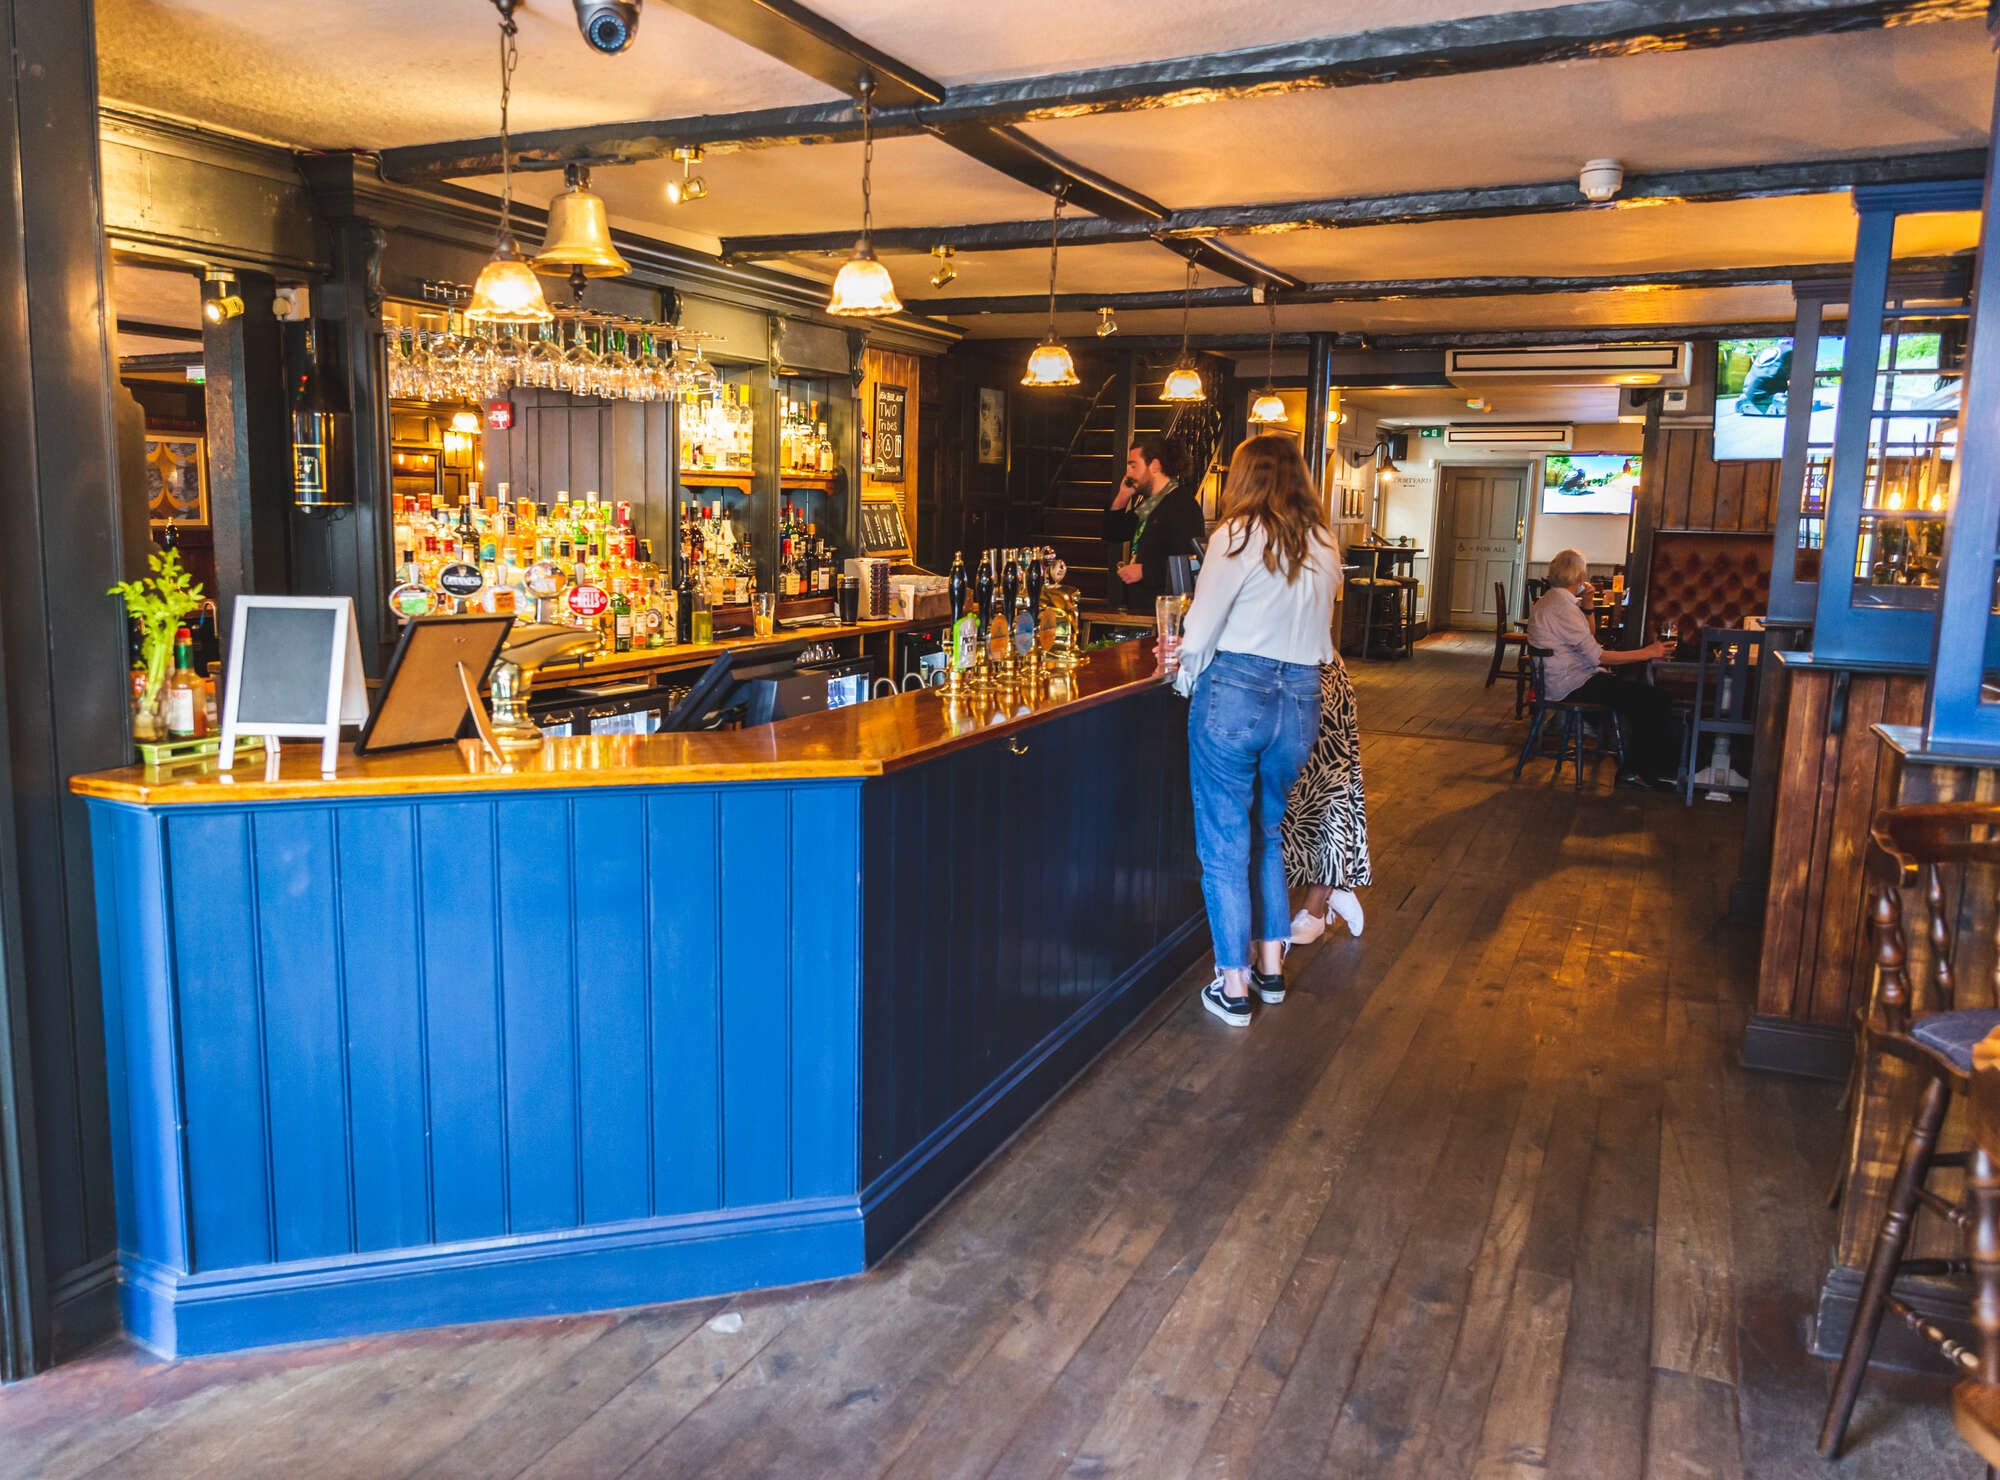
(1975, 1402)
(1908, 846)
(1569, 715)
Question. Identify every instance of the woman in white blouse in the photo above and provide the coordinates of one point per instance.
(1259, 629)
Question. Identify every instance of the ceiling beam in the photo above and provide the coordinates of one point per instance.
(814, 45)
(1729, 182)
(1438, 338)
(1485, 43)
(787, 31)
(1377, 290)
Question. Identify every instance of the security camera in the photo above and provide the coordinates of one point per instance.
(608, 25)
(1601, 179)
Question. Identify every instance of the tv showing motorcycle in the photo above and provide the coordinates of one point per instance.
(1753, 380)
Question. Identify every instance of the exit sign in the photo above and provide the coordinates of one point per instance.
(1429, 432)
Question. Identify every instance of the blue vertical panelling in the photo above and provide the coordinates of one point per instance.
(299, 949)
(215, 952)
(755, 919)
(455, 883)
(376, 849)
(686, 966)
(140, 1043)
(613, 1040)
(538, 1028)
(823, 854)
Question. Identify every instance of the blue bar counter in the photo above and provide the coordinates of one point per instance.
(640, 1019)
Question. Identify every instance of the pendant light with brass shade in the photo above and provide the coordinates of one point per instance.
(1184, 381)
(862, 288)
(507, 292)
(1050, 365)
(1268, 409)
(578, 244)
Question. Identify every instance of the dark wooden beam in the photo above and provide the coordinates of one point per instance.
(139, 328)
(1364, 290)
(1447, 339)
(1732, 182)
(1485, 43)
(814, 45)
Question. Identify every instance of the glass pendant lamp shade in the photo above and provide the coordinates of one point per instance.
(508, 292)
(1184, 381)
(862, 288)
(1183, 384)
(1267, 410)
(1050, 365)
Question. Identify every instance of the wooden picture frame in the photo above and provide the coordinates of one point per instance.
(992, 426)
(176, 479)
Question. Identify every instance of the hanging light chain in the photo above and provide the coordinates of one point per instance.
(1271, 344)
(510, 57)
(867, 155)
(1187, 304)
(1055, 236)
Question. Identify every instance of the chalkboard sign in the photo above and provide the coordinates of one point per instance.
(294, 670)
(882, 531)
(890, 402)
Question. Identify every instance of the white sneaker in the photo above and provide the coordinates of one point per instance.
(1307, 928)
(1343, 903)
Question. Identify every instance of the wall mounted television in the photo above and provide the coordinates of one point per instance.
(1752, 387)
(1589, 483)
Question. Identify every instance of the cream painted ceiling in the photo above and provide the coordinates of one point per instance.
(375, 73)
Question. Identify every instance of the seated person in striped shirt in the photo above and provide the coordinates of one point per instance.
(1576, 670)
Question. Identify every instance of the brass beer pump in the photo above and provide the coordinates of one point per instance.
(953, 688)
(1010, 601)
(979, 681)
(1037, 668)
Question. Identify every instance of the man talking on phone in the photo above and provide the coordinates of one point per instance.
(1151, 519)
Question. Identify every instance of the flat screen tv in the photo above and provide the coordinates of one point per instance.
(1589, 483)
(1752, 388)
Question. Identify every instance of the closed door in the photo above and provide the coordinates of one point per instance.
(1483, 512)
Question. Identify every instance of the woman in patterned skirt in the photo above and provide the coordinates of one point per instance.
(1325, 833)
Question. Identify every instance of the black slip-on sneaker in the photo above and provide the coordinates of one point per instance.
(1234, 1011)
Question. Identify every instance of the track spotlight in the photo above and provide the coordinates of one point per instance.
(947, 268)
(689, 186)
(1106, 324)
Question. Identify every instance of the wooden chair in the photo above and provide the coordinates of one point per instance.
(1532, 590)
(1569, 715)
(1508, 643)
(1911, 846)
(1975, 1402)
(1725, 695)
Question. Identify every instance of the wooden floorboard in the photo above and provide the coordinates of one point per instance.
(1488, 1196)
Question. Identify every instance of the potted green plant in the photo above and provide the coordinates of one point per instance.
(160, 603)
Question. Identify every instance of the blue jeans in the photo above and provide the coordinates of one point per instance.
(1250, 728)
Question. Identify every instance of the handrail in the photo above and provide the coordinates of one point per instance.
(1083, 425)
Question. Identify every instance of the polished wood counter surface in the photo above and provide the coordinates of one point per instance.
(569, 673)
(857, 741)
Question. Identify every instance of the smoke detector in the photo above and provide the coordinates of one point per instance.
(1601, 179)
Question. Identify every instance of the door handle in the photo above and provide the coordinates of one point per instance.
(1520, 530)
(1016, 745)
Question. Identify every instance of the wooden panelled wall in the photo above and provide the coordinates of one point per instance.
(562, 443)
(1697, 492)
(883, 367)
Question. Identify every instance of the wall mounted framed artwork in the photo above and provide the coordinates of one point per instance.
(992, 425)
(176, 479)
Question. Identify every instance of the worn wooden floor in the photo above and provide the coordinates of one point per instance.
(1487, 1196)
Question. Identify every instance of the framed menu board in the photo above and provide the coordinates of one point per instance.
(882, 528)
(891, 401)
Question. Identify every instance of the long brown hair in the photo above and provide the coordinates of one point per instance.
(1269, 488)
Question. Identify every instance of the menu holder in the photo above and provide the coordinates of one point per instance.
(294, 672)
(433, 683)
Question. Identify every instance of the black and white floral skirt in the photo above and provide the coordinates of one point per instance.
(1325, 832)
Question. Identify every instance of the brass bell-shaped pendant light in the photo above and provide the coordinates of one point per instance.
(1183, 382)
(507, 292)
(862, 288)
(579, 236)
(1050, 365)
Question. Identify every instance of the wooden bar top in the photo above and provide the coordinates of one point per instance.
(859, 740)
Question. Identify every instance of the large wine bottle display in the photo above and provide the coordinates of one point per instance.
(320, 465)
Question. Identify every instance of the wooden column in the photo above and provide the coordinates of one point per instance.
(1319, 390)
(65, 535)
(249, 452)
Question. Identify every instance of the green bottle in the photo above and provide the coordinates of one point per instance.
(621, 619)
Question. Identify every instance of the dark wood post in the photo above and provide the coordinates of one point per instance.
(1319, 393)
(249, 456)
(64, 536)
